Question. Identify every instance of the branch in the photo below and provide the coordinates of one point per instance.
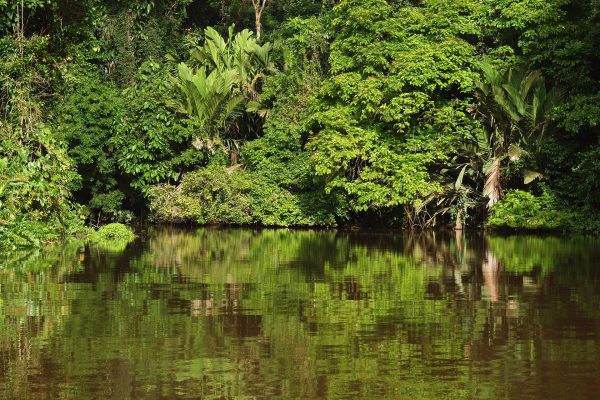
(259, 6)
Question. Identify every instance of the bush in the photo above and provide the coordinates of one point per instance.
(151, 144)
(109, 205)
(35, 203)
(219, 195)
(208, 195)
(583, 221)
(524, 211)
(113, 233)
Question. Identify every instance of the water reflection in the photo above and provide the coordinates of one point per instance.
(220, 314)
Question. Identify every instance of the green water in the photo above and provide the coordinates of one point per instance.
(264, 314)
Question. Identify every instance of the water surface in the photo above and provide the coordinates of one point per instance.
(266, 314)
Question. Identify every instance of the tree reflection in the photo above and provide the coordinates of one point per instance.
(302, 314)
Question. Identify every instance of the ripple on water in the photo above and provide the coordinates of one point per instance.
(305, 314)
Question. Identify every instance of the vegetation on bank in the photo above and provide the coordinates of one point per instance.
(113, 237)
(113, 232)
(389, 112)
(522, 211)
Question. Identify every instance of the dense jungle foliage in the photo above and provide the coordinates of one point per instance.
(428, 113)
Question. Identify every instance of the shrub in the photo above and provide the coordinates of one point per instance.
(109, 205)
(219, 195)
(210, 195)
(115, 232)
(522, 210)
(35, 203)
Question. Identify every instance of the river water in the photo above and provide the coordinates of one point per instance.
(267, 314)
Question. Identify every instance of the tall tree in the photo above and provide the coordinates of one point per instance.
(259, 7)
(391, 109)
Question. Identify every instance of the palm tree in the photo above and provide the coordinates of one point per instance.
(211, 101)
(515, 106)
(220, 93)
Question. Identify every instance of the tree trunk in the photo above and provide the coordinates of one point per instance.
(257, 16)
(259, 6)
(459, 220)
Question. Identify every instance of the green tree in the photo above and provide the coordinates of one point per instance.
(87, 117)
(152, 145)
(36, 174)
(394, 105)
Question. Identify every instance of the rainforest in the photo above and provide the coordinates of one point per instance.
(299, 199)
(298, 113)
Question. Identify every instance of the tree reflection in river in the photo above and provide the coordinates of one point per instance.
(236, 313)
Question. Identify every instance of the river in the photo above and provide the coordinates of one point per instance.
(301, 314)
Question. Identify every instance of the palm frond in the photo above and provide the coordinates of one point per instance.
(219, 93)
(530, 176)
